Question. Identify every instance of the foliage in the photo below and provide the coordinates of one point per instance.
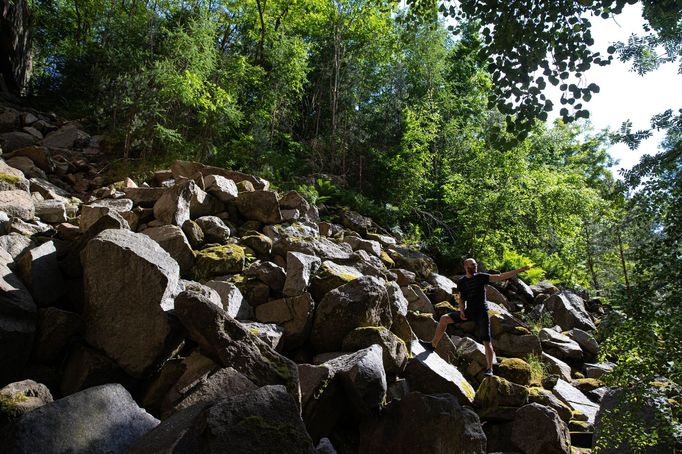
(538, 369)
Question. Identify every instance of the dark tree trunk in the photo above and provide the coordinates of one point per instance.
(15, 46)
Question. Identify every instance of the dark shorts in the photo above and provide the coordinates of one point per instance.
(480, 318)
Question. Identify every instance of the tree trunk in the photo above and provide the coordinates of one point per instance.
(15, 46)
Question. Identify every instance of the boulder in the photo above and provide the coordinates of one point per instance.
(221, 188)
(514, 345)
(204, 290)
(17, 324)
(544, 287)
(173, 240)
(215, 230)
(21, 397)
(173, 207)
(585, 340)
(330, 276)
(597, 370)
(51, 211)
(358, 244)
(228, 343)
(263, 420)
(10, 141)
(568, 311)
(413, 260)
(472, 356)
(38, 155)
(261, 206)
(294, 314)
(194, 234)
(15, 244)
(442, 287)
(268, 273)
(261, 244)
(218, 260)
(355, 221)
(558, 345)
(92, 212)
(17, 203)
(427, 372)
(12, 179)
(497, 392)
(99, 420)
(232, 300)
(39, 270)
(323, 248)
(144, 197)
(575, 399)
(393, 348)
(424, 424)
(539, 430)
(269, 333)
(515, 370)
(396, 299)
(557, 367)
(126, 298)
(300, 268)
(546, 398)
(188, 169)
(417, 301)
(361, 302)
(68, 136)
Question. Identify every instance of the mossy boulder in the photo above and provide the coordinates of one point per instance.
(261, 244)
(219, 260)
(544, 397)
(499, 392)
(587, 384)
(329, 276)
(515, 370)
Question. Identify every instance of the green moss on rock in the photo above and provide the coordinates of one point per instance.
(8, 178)
(218, 260)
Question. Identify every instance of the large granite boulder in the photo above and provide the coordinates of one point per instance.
(413, 260)
(174, 206)
(427, 372)
(215, 230)
(424, 424)
(188, 169)
(539, 430)
(330, 276)
(56, 329)
(394, 349)
(294, 314)
(265, 420)
(497, 392)
(19, 398)
(126, 298)
(568, 311)
(558, 345)
(221, 188)
(300, 268)
(361, 302)
(100, 420)
(17, 203)
(173, 240)
(232, 299)
(261, 206)
(218, 260)
(575, 399)
(228, 343)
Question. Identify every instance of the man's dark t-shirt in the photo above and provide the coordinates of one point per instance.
(472, 290)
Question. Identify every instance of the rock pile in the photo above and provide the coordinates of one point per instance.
(245, 323)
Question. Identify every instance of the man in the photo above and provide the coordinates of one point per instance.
(471, 290)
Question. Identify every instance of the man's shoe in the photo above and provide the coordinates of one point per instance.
(488, 373)
(427, 345)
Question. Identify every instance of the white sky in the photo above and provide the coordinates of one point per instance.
(624, 94)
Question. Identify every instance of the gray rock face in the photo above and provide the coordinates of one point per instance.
(412, 260)
(442, 287)
(568, 311)
(329, 276)
(17, 203)
(319, 247)
(293, 314)
(173, 207)
(539, 430)
(557, 367)
(361, 302)
(369, 246)
(56, 329)
(421, 424)
(17, 324)
(260, 421)
(394, 349)
(396, 299)
(230, 344)
(100, 420)
(518, 346)
(40, 272)
(575, 399)
(429, 373)
(173, 240)
(52, 211)
(417, 300)
(268, 273)
(13, 179)
(261, 206)
(300, 267)
(558, 345)
(92, 212)
(586, 341)
(126, 297)
(15, 244)
(232, 299)
(269, 333)
(215, 230)
(221, 188)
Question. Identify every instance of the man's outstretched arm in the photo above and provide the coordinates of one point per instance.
(508, 274)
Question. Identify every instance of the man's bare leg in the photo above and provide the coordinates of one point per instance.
(489, 354)
(443, 323)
